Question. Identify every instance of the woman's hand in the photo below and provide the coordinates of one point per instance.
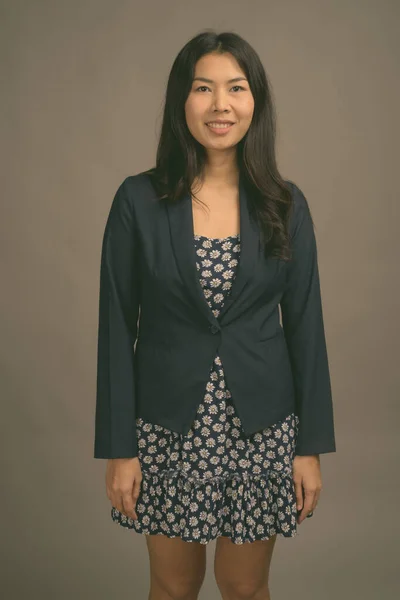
(123, 479)
(308, 483)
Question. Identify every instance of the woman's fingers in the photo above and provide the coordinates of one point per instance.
(123, 479)
(316, 498)
(309, 498)
(128, 504)
(136, 492)
(130, 497)
(308, 484)
(299, 493)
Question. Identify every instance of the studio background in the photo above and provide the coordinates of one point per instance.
(82, 91)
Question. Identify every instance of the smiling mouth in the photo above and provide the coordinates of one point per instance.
(219, 125)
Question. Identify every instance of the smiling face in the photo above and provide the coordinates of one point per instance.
(220, 91)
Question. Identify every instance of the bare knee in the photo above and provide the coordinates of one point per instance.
(172, 588)
(242, 571)
(177, 568)
(247, 590)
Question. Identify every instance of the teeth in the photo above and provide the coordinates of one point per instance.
(219, 125)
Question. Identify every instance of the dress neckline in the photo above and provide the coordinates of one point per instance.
(213, 239)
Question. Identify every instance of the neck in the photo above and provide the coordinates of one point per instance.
(221, 169)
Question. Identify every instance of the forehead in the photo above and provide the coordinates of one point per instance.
(218, 66)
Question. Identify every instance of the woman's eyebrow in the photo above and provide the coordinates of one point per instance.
(211, 81)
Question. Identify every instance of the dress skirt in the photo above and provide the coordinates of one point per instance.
(215, 481)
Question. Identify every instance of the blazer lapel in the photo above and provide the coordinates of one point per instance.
(180, 217)
(249, 248)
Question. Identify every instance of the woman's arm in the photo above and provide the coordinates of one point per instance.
(302, 320)
(115, 429)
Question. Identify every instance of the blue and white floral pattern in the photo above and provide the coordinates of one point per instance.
(214, 481)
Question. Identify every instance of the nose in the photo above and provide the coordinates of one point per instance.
(220, 100)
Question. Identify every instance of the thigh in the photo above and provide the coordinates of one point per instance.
(243, 565)
(177, 567)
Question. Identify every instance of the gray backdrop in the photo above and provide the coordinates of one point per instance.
(82, 89)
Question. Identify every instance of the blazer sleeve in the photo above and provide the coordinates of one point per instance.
(115, 428)
(302, 320)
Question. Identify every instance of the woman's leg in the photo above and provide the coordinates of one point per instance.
(177, 568)
(242, 570)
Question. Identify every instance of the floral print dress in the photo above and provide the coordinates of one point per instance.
(214, 481)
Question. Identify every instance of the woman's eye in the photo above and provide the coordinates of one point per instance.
(207, 88)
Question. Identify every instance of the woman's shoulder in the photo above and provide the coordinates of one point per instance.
(298, 196)
(137, 181)
(136, 189)
(301, 212)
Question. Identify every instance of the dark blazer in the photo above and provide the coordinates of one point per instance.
(150, 294)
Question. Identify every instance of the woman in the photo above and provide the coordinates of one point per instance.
(214, 424)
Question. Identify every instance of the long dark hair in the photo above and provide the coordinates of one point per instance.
(180, 158)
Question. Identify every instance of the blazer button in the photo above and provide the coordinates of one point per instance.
(214, 329)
